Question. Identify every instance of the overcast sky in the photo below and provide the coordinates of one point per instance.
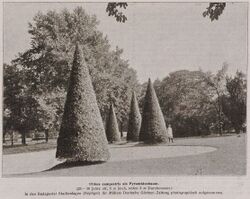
(158, 38)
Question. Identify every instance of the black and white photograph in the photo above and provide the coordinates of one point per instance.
(124, 89)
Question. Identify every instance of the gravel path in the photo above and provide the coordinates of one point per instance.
(191, 156)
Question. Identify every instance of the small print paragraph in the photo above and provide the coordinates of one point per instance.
(95, 189)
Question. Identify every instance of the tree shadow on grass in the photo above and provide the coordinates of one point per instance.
(63, 165)
(67, 164)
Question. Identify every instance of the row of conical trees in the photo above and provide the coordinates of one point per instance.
(82, 135)
(134, 123)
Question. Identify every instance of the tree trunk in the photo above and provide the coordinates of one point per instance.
(12, 138)
(121, 128)
(46, 135)
(4, 133)
(220, 124)
(23, 137)
(220, 114)
(237, 129)
(221, 130)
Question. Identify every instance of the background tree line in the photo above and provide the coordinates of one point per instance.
(35, 83)
(200, 103)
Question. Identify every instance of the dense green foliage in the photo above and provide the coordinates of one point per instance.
(112, 130)
(192, 102)
(21, 107)
(35, 84)
(42, 71)
(113, 11)
(82, 135)
(184, 99)
(153, 129)
(234, 104)
(134, 122)
(214, 10)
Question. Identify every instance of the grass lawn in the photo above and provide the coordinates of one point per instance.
(228, 158)
(31, 146)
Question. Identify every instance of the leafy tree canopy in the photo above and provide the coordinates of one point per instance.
(234, 103)
(214, 10)
(44, 68)
(113, 11)
(197, 102)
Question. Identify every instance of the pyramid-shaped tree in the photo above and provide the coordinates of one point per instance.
(82, 134)
(112, 130)
(134, 122)
(153, 127)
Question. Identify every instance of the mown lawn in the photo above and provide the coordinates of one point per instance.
(32, 146)
(229, 159)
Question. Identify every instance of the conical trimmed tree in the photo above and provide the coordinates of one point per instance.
(134, 122)
(82, 134)
(153, 127)
(112, 130)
